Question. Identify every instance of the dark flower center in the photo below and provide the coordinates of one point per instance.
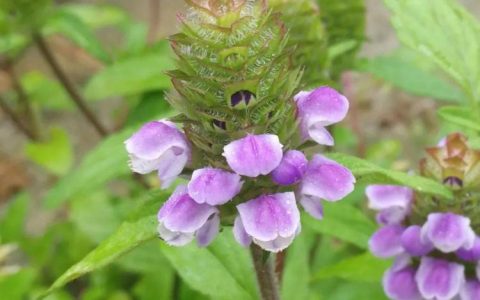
(241, 96)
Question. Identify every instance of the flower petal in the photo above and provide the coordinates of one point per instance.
(241, 236)
(472, 254)
(321, 107)
(327, 179)
(470, 290)
(291, 169)
(208, 231)
(381, 197)
(174, 238)
(169, 166)
(448, 232)
(254, 155)
(313, 206)
(439, 279)
(150, 143)
(181, 213)
(393, 215)
(270, 216)
(401, 285)
(213, 186)
(385, 242)
(276, 245)
(412, 242)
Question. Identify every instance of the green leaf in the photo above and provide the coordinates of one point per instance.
(462, 116)
(106, 161)
(152, 106)
(343, 221)
(225, 276)
(132, 233)
(47, 93)
(98, 15)
(364, 267)
(72, 27)
(18, 285)
(410, 78)
(55, 154)
(12, 224)
(296, 275)
(132, 76)
(367, 172)
(444, 32)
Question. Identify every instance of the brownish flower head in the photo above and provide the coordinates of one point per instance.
(452, 162)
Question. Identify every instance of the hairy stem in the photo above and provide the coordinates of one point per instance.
(265, 271)
(68, 85)
(16, 119)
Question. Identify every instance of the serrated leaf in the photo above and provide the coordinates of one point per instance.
(367, 172)
(363, 267)
(444, 32)
(462, 116)
(210, 273)
(72, 27)
(410, 78)
(55, 154)
(107, 161)
(131, 76)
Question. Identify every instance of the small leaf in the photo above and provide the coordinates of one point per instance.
(47, 93)
(132, 76)
(462, 116)
(12, 224)
(107, 161)
(364, 267)
(410, 78)
(209, 274)
(55, 155)
(367, 172)
(74, 28)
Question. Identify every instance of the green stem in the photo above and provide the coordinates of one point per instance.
(15, 119)
(265, 271)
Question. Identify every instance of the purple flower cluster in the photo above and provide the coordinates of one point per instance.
(434, 260)
(270, 218)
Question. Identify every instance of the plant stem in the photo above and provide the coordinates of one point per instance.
(24, 101)
(266, 277)
(16, 119)
(69, 87)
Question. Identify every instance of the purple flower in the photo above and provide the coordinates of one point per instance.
(291, 169)
(472, 254)
(213, 186)
(439, 279)
(326, 179)
(399, 284)
(312, 205)
(386, 242)
(254, 155)
(158, 146)
(393, 202)
(319, 108)
(271, 221)
(470, 290)
(448, 232)
(412, 242)
(181, 219)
